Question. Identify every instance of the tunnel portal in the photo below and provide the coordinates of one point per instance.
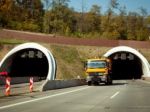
(28, 62)
(29, 59)
(126, 65)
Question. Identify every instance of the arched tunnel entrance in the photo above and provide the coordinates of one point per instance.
(28, 62)
(29, 59)
(126, 65)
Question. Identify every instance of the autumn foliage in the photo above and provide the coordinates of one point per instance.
(56, 17)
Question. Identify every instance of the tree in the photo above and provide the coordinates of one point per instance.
(114, 4)
(131, 26)
(94, 19)
(60, 19)
(5, 11)
(21, 14)
(142, 29)
(109, 25)
(55, 16)
(95, 9)
(143, 11)
(57, 3)
(122, 23)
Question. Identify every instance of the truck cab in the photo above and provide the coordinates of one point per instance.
(98, 71)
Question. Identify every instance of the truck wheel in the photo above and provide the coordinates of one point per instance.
(109, 81)
(96, 83)
(89, 83)
(106, 83)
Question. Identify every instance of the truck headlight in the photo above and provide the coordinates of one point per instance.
(88, 77)
(105, 74)
(104, 77)
(100, 74)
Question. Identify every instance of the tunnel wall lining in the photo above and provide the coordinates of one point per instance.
(47, 53)
(145, 64)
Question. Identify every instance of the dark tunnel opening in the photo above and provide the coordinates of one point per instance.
(29, 62)
(126, 65)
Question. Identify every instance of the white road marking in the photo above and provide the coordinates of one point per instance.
(114, 95)
(42, 98)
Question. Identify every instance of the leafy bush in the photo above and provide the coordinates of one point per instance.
(111, 35)
(142, 35)
(31, 26)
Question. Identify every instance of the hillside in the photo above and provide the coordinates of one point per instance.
(47, 38)
(69, 53)
(69, 58)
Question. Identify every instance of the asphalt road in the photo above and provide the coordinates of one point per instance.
(123, 96)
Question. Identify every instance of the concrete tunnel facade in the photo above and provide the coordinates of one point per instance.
(29, 59)
(127, 53)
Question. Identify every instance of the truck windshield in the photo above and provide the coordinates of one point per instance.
(96, 64)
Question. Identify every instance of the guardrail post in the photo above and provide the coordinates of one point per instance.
(7, 86)
(31, 84)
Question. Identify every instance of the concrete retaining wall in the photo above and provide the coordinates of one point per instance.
(58, 84)
(146, 79)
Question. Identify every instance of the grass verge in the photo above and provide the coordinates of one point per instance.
(68, 61)
(11, 41)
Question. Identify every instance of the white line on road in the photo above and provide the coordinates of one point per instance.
(114, 95)
(42, 98)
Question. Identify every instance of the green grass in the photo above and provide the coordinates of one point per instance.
(68, 54)
(68, 62)
(11, 41)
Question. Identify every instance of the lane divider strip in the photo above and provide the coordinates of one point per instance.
(114, 95)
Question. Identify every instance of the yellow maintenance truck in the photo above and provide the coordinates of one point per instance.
(98, 71)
